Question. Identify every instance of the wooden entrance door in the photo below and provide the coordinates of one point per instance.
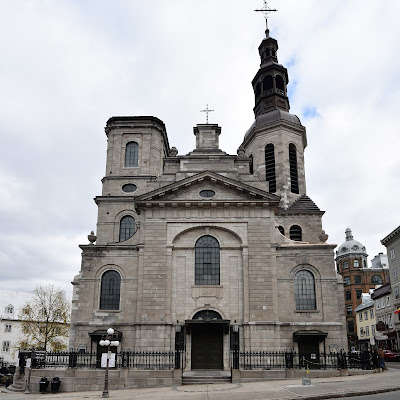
(207, 347)
(309, 352)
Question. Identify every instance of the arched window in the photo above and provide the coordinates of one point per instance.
(294, 179)
(126, 228)
(280, 83)
(356, 264)
(251, 165)
(270, 174)
(376, 280)
(304, 286)
(295, 233)
(110, 290)
(207, 261)
(268, 83)
(131, 154)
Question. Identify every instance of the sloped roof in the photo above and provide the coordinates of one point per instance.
(303, 205)
(257, 194)
(15, 299)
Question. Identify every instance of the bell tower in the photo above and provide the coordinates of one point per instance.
(271, 80)
(276, 140)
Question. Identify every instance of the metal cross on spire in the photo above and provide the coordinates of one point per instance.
(207, 111)
(266, 10)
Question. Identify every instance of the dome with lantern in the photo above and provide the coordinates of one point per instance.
(351, 246)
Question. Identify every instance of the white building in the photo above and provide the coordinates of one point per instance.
(10, 326)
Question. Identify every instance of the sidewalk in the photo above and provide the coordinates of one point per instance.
(321, 388)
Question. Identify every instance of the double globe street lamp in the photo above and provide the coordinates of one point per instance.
(108, 341)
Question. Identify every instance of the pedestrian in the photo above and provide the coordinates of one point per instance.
(381, 358)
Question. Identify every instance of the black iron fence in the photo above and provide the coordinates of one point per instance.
(263, 360)
(142, 360)
(168, 360)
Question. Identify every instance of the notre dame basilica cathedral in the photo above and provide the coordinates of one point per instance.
(210, 252)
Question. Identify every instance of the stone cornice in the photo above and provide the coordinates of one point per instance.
(392, 236)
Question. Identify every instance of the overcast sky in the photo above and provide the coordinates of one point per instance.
(69, 65)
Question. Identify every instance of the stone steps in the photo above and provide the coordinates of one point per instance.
(205, 380)
(17, 386)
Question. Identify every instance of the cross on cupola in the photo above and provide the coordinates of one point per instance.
(266, 11)
(207, 111)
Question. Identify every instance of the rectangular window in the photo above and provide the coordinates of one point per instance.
(357, 279)
(371, 312)
(348, 295)
(382, 303)
(377, 305)
(396, 292)
(366, 315)
(6, 347)
(367, 331)
(7, 328)
(356, 264)
(392, 254)
(360, 317)
(349, 310)
(346, 281)
(373, 329)
(362, 331)
(394, 273)
(358, 293)
(387, 301)
(345, 264)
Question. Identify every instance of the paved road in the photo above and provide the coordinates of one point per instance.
(380, 396)
(395, 365)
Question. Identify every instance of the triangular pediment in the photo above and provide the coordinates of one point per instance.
(226, 190)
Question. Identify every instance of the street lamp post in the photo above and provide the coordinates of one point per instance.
(108, 341)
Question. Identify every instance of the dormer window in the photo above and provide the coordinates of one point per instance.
(9, 309)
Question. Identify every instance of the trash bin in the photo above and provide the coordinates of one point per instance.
(55, 384)
(43, 383)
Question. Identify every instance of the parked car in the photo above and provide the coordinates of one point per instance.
(391, 356)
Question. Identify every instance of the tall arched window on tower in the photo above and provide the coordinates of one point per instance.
(270, 175)
(304, 286)
(126, 228)
(131, 155)
(207, 261)
(258, 90)
(294, 178)
(110, 290)
(251, 165)
(295, 233)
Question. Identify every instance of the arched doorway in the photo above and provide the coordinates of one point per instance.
(207, 332)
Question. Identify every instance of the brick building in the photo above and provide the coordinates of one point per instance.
(351, 263)
(208, 251)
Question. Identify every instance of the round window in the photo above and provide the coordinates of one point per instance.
(129, 188)
(207, 194)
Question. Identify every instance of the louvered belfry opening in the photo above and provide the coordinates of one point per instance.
(270, 174)
(294, 178)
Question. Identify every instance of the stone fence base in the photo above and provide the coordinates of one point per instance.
(243, 376)
(77, 380)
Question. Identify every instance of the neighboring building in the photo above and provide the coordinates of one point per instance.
(380, 261)
(386, 336)
(392, 244)
(351, 263)
(210, 252)
(11, 304)
(365, 316)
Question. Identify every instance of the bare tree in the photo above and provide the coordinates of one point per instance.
(45, 319)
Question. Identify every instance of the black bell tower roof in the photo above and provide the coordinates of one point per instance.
(271, 80)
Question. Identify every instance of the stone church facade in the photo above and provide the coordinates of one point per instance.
(210, 252)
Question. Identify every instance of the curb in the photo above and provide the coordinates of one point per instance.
(353, 394)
